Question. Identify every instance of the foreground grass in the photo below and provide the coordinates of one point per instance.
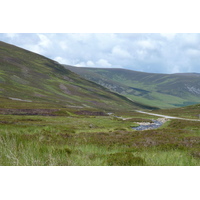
(95, 141)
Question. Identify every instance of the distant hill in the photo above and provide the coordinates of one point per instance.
(29, 77)
(160, 90)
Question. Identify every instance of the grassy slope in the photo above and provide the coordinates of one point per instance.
(29, 76)
(192, 112)
(165, 91)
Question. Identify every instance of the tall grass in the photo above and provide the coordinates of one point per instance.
(95, 141)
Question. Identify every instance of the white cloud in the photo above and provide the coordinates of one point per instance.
(90, 64)
(80, 37)
(81, 64)
(118, 51)
(189, 38)
(38, 43)
(61, 60)
(11, 35)
(35, 49)
(63, 45)
(193, 52)
(140, 54)
(146, 44)
(175, 69)
(103, 63)
(44, 41)
(169, 36)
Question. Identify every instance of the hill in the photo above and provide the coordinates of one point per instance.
(160, 90)
(29, 78)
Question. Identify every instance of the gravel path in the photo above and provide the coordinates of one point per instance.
(165, 116)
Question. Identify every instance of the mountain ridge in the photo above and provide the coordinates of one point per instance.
(154, 89)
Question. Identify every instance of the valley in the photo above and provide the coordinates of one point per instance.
(51, 115)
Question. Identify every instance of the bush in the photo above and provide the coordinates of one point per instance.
(125, 159)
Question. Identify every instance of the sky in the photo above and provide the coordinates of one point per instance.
(147, 52)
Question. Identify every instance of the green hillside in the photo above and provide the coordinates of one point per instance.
(29, 78)
(160, 90)
(192, 111)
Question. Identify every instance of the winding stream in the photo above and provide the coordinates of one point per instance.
(154, 125)
(157, 123)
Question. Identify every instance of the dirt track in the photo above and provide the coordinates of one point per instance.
(166, 116)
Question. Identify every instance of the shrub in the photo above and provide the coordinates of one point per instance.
(125, 159)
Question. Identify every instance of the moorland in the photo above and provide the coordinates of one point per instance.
(50, 115)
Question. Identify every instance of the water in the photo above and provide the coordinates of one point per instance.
(154, 125)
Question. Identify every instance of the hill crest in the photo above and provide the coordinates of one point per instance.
(162, 90)
(31, 77)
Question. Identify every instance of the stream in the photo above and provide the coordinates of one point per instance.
(148, 126)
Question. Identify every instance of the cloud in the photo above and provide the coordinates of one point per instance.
(61, 60)
(176, 69)
(168, 36)
(11, 35)
(103, 63)
(119, 52)
(189, 39)
(40, 45)
(193, 53)
(63, 45)
(146, 44)
(81, 64)
(90, 64)
(44, 41)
